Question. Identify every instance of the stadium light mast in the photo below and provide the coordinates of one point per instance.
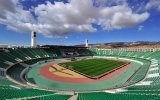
(86, 42)
(33, 39)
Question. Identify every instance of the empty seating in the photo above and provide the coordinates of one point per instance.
(13, 57)
(15, 72)
(107, 96)
(55, 97)
(12, 93)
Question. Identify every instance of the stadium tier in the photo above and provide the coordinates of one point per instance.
(143, 83)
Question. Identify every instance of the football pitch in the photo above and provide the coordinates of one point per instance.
(93, 67)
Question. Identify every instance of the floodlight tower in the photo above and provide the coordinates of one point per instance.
(86, 42)
(33, 39)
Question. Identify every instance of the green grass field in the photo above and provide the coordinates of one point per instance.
(93, 67)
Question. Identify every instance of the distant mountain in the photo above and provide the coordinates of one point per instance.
(138, 44)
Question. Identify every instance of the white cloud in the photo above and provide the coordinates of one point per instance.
(16, 18)
(103, 3)
(121, 17)
(122, 20)
(59, 19)
(140, 28)
(153, 4)
(6, 6)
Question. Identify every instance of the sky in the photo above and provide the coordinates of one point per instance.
(70, 22)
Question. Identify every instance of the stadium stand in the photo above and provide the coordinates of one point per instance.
(55, 97)
(118, 96)
(12, 60)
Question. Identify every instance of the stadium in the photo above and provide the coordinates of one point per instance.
(111, 71)
(64, 72)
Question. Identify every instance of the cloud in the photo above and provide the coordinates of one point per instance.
(103, 3)
(153, 4)
(59, 19)
(122, 20)
(121, 17)
(6, 6)
(140, 28)
(14, 17)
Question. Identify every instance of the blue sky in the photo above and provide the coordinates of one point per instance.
(141, 22)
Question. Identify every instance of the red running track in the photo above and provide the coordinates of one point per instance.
(44, 71)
